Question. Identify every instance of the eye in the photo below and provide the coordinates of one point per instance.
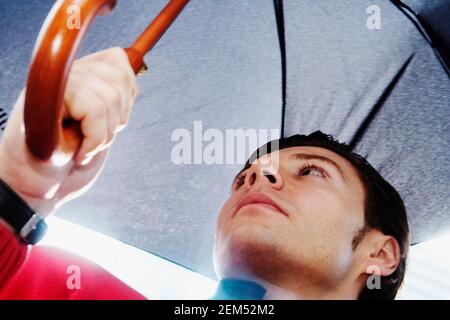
(239, 181)
(312, 170)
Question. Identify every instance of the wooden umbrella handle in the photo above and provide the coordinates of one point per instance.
(47, 136)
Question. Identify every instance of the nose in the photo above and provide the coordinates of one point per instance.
(263, 175)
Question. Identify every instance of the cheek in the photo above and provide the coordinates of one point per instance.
(325, 208)
(315, 201)
(327, 223)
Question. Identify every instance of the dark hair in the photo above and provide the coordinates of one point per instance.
(384, 208)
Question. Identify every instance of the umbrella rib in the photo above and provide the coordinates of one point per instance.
(412, 16)
(377, 107)
(279, 14)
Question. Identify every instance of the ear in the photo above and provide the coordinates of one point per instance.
(382, 256)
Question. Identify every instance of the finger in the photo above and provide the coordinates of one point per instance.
(118, 79)
(95, 136)
(115, 56)
(86, 106)
(114, 98)
(111, 96)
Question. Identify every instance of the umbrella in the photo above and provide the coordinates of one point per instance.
(382, 88)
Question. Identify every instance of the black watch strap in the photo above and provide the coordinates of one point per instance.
(14, 210)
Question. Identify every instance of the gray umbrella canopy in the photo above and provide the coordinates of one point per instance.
(380, 88)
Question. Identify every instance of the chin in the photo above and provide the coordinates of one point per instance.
(247, 250)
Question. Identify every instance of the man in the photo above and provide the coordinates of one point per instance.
(306, 219)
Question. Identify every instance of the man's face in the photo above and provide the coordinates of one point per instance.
(300, 220)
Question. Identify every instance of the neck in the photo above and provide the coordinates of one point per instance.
(238, 289)
(294, 289)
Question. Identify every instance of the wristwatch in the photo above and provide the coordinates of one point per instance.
(28, 225)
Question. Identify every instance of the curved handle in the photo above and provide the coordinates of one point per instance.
(47, 136)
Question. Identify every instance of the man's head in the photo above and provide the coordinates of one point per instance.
(311, 217)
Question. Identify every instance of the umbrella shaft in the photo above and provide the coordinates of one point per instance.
(147, 40)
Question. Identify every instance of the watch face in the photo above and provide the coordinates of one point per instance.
(38, 232)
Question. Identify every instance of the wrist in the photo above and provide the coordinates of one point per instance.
(15, 213)
(37, 204)
(34, 202)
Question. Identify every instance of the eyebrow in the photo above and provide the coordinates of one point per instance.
(307, 156)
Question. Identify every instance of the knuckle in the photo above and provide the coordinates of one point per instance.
(99, 103)
(89, 83)
(122, 75)
(117, 51)
(134, 90)
(114, 97)
(124, 121)
(118, 55)
(100, 139)
(99, 109)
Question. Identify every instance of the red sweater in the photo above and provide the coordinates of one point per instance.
(42, 273)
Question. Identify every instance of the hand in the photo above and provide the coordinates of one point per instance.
(100, 91)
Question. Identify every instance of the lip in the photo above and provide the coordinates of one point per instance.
(258, 198)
